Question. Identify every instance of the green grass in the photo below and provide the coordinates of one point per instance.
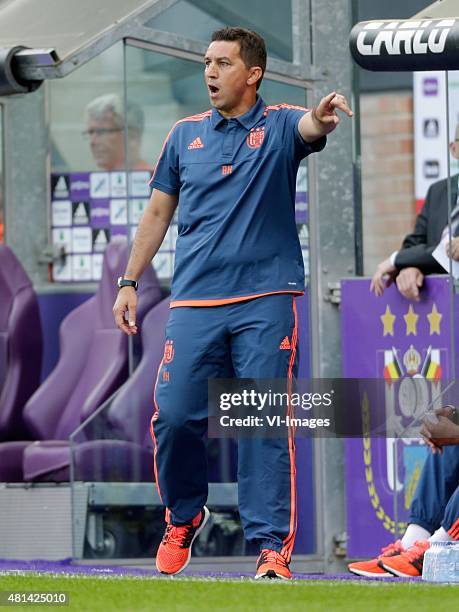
(138, 594)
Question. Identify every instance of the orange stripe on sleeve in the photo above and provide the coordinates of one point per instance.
(199, 117)
(283, 105)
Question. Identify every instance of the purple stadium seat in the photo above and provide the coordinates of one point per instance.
(130, 457)
(20, 344)
(142, 382)
(92, 365)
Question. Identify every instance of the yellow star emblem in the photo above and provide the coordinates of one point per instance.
(434, 319)
(388, 320)
(411, 319)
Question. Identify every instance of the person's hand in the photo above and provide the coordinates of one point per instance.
(325, 115)
(409, 282)
(126, 302)
(444, 411)
(452, 249)
(440, 431)
(383, 277)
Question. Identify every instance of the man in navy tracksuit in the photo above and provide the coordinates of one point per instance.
(238, 270)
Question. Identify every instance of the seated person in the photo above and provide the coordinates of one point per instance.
(434, 511)
(414, 260)
(105, 129)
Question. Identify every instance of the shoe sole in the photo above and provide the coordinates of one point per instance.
(398, 574)
(271, 575)
(198, 531)
(365, 574)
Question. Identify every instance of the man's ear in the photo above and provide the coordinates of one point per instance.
(254, 75)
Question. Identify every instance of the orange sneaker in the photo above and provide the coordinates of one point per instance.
(174, 552)
(372, 568)
(272, 564)
(409, 563)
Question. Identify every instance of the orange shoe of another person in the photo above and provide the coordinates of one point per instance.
(407, 564)
(271, 564)
(372, 568)
(174, 552)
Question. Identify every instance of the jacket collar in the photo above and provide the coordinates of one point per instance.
(247, 120)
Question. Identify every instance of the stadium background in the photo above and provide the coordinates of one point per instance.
(57, 224)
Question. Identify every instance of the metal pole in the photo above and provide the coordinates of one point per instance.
(332, 251)
(450, 234)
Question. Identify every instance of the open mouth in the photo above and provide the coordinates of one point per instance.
(213, 89)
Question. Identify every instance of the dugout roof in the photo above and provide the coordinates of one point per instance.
(440, 10)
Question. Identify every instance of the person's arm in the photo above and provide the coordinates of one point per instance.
(323, 119)
(148, 238)
(415, 251)
(150, 233)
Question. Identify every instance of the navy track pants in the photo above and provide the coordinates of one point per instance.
(199, 343)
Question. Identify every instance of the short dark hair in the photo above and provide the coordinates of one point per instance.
(252, 46)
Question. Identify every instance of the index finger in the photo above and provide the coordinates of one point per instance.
(121, 323)
(339, 102)
(328, 98)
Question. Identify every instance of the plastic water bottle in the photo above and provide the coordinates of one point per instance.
(441, 562)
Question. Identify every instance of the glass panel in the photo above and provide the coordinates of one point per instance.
(197, 19)
(428, 348)
(437, 168)
(2, 203)
(115, 453)
(88, 182)
(166, 89)
(402, 335)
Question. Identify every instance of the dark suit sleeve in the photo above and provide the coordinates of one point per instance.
(415, 249)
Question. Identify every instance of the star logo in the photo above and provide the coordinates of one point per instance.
(411, 319)
(388, 320)
(434, 320)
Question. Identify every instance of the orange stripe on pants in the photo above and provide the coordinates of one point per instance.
(289, 541)
(152, 433)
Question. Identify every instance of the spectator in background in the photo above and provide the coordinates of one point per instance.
(105, 123)
(408, 266)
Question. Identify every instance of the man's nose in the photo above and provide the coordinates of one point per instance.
(212, 71)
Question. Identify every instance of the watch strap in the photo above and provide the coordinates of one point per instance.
(125, 282)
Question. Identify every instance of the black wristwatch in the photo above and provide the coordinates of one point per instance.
(124, 282)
